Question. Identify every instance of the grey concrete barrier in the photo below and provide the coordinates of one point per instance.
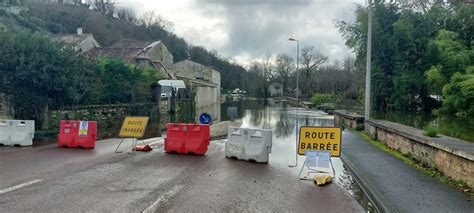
(17, 132)
(249, 144)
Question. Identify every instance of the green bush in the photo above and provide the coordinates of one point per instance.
(320, 98)
(459, 96)
(431, 130)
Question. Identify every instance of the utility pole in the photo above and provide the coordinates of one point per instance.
(368, 64)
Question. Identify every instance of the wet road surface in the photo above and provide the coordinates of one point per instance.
(73, 180)
(51, 179)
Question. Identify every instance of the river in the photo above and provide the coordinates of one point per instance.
(462, 128)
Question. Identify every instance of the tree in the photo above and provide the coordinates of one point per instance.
(151, 19)
(268, 68)
(435, 79)
(284, 67)
(459, 96)
(39, 74)
(126, 14)
(120, 82)
(311, 60)
(105, 7)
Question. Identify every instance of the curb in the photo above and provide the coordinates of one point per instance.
(381, 202)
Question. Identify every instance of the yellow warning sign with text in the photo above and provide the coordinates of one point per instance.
(320, 138)
(133, 127)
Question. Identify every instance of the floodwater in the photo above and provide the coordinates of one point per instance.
(457, 127)
(284, 120)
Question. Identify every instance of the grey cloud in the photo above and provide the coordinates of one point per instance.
(259, 27)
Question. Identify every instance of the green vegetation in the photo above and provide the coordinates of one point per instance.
(431, 130)
(319, 98)
(40, 74)
(107, 29)
(323, 98)
(459, 96)
(419, 49)
(423, 167)
(120, 82)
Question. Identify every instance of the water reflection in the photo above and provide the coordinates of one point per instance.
(283, 120)
(276, 116)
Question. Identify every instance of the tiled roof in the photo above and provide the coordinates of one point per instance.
(126, 54)
(73, 39)
(125, 43)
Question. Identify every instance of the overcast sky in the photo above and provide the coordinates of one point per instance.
(247, 30)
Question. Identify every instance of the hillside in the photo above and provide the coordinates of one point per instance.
(64, 19)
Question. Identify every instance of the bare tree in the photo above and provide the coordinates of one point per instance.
(126, 14)
(311, 60)
(106, 7)
(284, 67)
(268, 67)
(151, 19)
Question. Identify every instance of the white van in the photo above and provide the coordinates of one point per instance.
(166, 86)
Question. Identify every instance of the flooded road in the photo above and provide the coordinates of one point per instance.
(285, 122)
(51, 179)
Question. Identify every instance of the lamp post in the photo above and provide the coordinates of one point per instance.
(297, 97)
(368, 67)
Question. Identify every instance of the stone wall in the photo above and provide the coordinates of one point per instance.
(6, 109)
(348, 119)
(452, 157)
(110, 117)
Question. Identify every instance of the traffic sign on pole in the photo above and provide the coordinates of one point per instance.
(205, 118)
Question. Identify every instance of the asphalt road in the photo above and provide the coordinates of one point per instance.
(51, 179)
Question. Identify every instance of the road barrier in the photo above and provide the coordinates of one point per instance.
(249, 144)
(77, 134)
(17, 132)
(187, 138)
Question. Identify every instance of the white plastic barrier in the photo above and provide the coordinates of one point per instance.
(249, 144)
(17, 132)
(5, 133)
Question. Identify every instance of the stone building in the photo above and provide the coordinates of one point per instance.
(81, 42)
(275, 89)
(205, 82)
(144, 54)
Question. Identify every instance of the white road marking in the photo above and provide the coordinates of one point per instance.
(3, 191)
(163, 199)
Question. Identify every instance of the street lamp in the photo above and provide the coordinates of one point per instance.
(368, 67)
(297, 97)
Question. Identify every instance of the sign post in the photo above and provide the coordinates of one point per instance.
(134, 128)
(319, 144)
